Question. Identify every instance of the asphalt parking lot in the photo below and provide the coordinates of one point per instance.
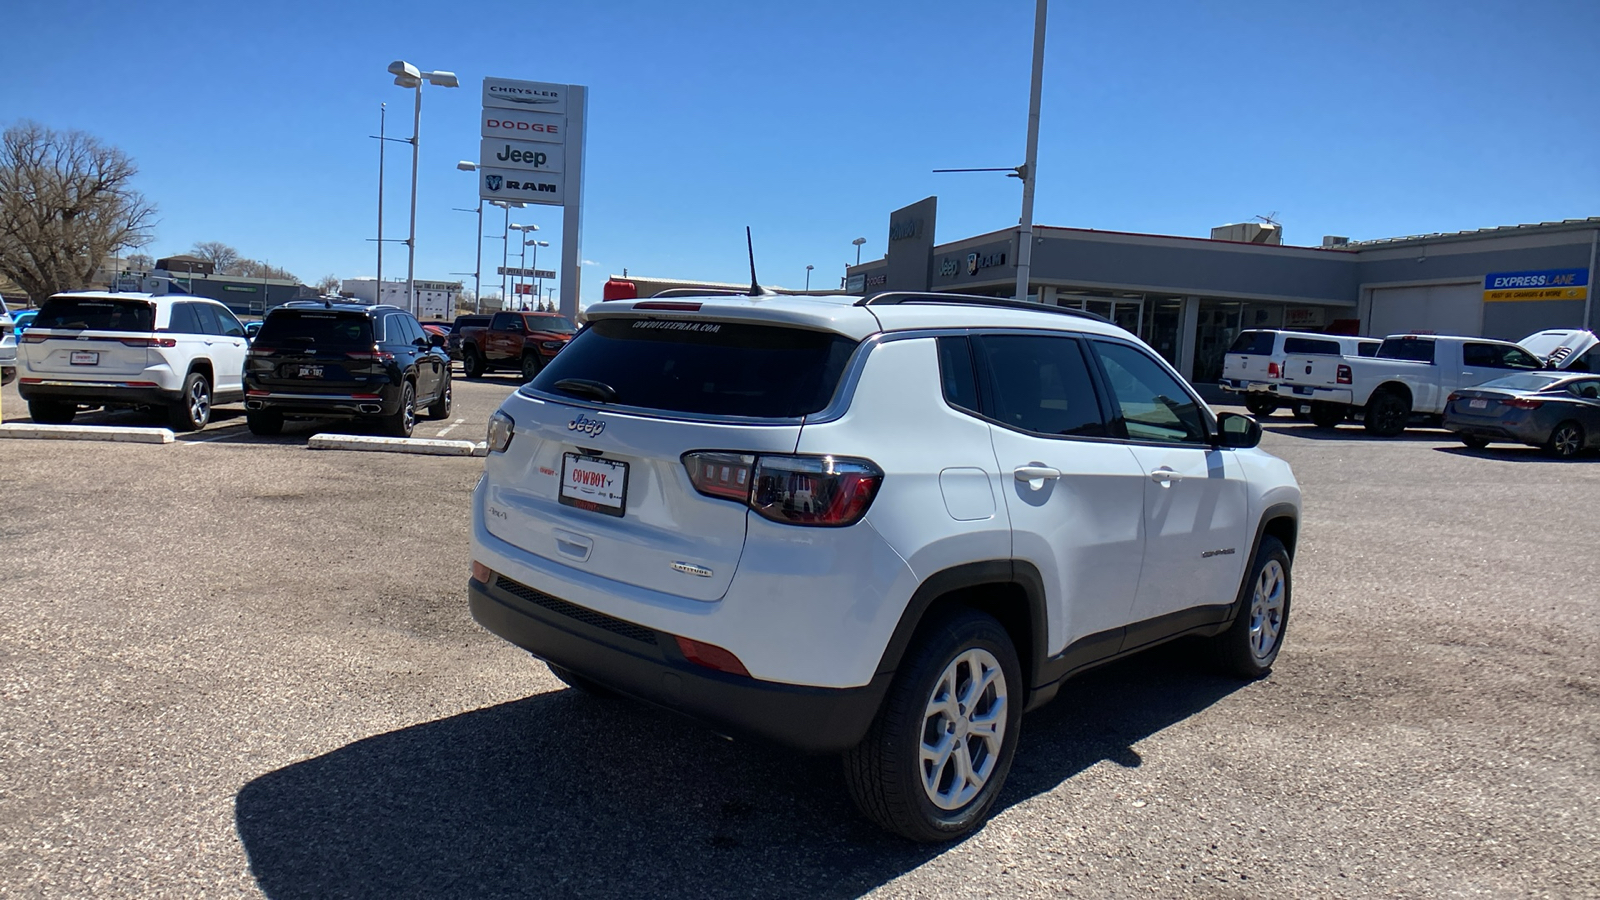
(241, 667)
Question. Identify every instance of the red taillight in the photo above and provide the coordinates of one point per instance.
(725, 475)
(33, 337)
(366, 397)
(1342, 376)
(711, 656)
(1523, 403)
(1272, 370)
(150, 342)
(374, 354)
(667, 304)
(824, 491)
(481, 573)
(261, 351)
(1452, 398)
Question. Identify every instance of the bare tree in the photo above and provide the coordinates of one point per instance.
(223, 258)
(329, 284)
(141, 262)
(65, 205)
(249, 268)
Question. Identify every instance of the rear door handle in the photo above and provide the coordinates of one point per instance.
(1036, 476)
(1165, 476)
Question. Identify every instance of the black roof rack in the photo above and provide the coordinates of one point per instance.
(896, 298)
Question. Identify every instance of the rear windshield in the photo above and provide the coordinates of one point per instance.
(1524, 382)
(96, 314)
(705, 368)
(316, 327)
(1406, 348)
(1368, 348)
(1301, 346)
(1255, 343)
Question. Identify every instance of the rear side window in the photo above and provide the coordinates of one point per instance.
(183, 320)
(96, 314)
(1302, 346)
(1254, 343)
(956, 373)
(1042, 385)
(229, 323)
(704, 367)
(316, 328)
(1368, 348)
(1406, 348)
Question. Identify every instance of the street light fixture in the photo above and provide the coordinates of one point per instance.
(858, 242)
(524, 229)
(467, 165)
(808, 277)
(538, 283)
(408, 76)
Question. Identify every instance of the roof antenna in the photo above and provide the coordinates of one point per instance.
(756, 290)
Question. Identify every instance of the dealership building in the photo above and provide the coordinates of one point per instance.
(1190, 297)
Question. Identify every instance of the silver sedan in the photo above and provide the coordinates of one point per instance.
(1559, 411)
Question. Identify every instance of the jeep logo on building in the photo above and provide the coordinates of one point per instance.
(583, 425)
(948, 267)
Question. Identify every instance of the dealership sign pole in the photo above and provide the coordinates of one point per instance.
(532, 152)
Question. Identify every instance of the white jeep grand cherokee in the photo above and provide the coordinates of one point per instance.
(884, 527)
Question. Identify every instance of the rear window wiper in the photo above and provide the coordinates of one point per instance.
(584, 387)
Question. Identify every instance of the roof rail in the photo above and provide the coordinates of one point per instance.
(896, 298)
(696, 292)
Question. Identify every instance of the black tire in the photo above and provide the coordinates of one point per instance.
(471, 362)
(884, 772)
(52, 412)
(531, 364)
(1250, 645)
(1566, 440)
(1260, 407)
(1328, 415)
(192, 410)
(582, 683)
(403, 420)
(1473, 443)
(264, 422)
(440, 407)
(1387, 414)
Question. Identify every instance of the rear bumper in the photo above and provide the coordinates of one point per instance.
(1242, 386)
(647, 664)
(1298, 394)
(94, 393)
(321, 406)
(1521, 433)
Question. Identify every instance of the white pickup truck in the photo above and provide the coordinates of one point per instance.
(1413, 374)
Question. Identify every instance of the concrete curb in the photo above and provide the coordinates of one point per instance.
(371, 444)
(29, 431)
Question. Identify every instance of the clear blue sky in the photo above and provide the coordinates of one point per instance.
(811, 121)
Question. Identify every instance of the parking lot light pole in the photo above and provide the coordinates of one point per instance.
(477, 261)
(522, 262)
(1030, 168)
(408, 76)
(858, 242)
(538, 283)
(808, 277)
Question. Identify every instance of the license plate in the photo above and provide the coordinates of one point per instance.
(85, 358)
(1478, 404)
(1303, 391)
(595, 484)
(310, 371)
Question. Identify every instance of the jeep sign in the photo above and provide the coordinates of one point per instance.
(520, 155)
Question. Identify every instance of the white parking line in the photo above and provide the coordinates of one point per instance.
(449, 428)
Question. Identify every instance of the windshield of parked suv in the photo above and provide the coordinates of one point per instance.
(557, 324)
(703, 367)
(96, 314)
(322, 328)
(1255, 343)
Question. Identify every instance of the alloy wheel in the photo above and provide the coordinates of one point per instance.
(1266, 610)
(199, 402)
(963, 727)
(1567, 440)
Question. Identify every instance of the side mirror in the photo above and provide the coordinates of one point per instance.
(435, 340)
(1234, 430)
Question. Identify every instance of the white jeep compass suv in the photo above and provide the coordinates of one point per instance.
(175, 352)
(883, 527)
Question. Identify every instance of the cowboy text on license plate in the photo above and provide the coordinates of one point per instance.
(592, 483)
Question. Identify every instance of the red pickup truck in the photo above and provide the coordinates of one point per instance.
(514, 340)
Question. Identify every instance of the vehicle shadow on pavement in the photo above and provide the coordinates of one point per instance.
(1354, 432)
(1518, 454)
(566, 795)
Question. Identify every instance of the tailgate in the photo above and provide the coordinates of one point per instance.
(85, 355)
(1314, 370)
(1247, 367)
(637, 515)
